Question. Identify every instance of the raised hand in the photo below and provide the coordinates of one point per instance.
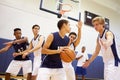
(79, 24)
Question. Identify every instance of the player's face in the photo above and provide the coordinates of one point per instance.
(97, 26)
(72, 37)
(17, 34)
(35, 30)
(83, 49)
(67, 26)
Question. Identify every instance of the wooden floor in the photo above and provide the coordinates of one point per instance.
(13, 77)
(22, 78)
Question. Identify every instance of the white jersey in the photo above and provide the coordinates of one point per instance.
(82, 60)
(108, 54)
(110, 58)
(34, 43)
(37, 56)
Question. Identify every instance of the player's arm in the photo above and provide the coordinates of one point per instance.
(77, 41)
(31, 49)
(95, 54)
(109, 40)
(5, 48)
(47, 44)
(25, 39)
(25, 52)
(79, 57)
(38, 46)
(17, 41)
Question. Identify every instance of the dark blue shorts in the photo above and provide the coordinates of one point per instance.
(80, 71)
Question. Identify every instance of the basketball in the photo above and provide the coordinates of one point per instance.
(68, 55)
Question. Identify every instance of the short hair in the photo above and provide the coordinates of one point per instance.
(99, 19)
(16, 29)
(72, 33)
(61, 22)
(83, 47)
(35, 26)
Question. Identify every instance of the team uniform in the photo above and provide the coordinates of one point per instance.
(37, 56)
(51, 67)
(19, 62)
(80, 70)
(70, 73)
(110, 59)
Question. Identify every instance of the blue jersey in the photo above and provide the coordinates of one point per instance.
(19, 47)
(54, 60)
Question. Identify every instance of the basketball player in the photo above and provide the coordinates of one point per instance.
(74, 41)
(51, 68)
(19, 44)
(106, 43)
(35, 46)
(81, 57)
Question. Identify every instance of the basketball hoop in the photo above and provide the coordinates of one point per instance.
(76, 1)
(64, 8)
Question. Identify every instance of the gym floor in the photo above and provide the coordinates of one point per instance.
(21, 78)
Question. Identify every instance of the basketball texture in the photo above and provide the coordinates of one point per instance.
(67, 55)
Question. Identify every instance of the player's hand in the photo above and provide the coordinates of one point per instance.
(15, 54)
(79, 24)
(24, 55)
(86, 64)
(60, 49)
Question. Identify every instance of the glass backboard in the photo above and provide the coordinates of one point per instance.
(70, 8)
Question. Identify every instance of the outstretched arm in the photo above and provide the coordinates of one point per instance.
(79, 57)
(95, 54)
(23, 53)
(38, 46)
(77, 41)
(5, 48)
(32, 49)
(25, 39)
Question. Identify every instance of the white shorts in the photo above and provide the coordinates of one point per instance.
(111, 72)
(36, 65)
(15, 66)
(70, 73)
(51, 74)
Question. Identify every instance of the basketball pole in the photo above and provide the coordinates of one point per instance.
(79, 10)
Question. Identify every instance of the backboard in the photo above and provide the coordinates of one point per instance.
(71, 8)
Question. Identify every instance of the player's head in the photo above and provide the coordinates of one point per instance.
(98, 23)
(83, 49)
(35, 29)
(63, 25)
(17, 33)
(72, 36)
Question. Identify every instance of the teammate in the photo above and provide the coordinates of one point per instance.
(81, 57)
(106, 43)
(19, 45)
(35, 46)
(74, 41)
(51, 68)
